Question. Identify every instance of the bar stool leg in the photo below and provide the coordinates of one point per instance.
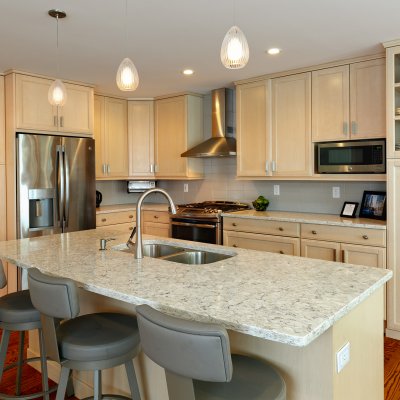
(70, 386)
(43, 365)
(130, 371)
(62, 384)
(3, 350)
(20, 362)
(97, 384)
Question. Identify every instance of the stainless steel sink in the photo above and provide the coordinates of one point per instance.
(197, 257)
(155, 250)
(177, 254)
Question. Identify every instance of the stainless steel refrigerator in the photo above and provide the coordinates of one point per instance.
(56, 190)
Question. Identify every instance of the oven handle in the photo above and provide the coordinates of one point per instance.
(195, 225)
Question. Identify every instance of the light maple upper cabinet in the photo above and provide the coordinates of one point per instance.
(141, 138)
(111, 137)
(348, 102)
(178, 127)
(252, 126)
(291, 125)
(2, 123)
(34, 112)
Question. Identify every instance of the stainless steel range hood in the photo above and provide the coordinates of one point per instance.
(221, 144)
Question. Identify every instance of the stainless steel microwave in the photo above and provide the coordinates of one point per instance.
(352, 157)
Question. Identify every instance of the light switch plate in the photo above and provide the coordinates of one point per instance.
(185, 187)
(343, 357)
(276, 190)
(336, 192)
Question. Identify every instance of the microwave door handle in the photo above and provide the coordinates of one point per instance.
(208, 226)
(67, 189)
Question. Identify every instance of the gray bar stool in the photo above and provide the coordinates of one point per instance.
(199, 364)
(17, 314)
(88, 342)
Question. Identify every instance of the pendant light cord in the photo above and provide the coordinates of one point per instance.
(58, 52)
(126, 26)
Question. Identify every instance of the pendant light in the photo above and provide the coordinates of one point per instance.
(127, 75)
(234, 49)
(57, 94)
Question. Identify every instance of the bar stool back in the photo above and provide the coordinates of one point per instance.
(198, 361)
(17, 314)
(88, 342)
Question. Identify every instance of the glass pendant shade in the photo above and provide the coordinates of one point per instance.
(57, 94)
(127, 76)
(234, 49)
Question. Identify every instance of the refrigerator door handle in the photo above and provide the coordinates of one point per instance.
(60, 184)
(67, 191)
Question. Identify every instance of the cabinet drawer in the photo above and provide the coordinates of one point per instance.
(123, 228)
(367, 237)
(156, 229)
(119, 217)
(262, 226)
(253, 241)
(156, 216)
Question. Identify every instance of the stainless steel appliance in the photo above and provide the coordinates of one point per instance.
(202, 222)
(352, 157)
(56, 189)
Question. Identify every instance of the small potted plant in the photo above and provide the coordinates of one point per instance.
(261, 203)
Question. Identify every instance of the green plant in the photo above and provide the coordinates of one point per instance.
(261, 203)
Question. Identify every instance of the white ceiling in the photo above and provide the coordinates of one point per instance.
(168, 36)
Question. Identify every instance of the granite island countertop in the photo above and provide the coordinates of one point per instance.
(308, 218)
(286, 299)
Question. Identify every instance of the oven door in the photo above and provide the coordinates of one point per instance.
(197, 230)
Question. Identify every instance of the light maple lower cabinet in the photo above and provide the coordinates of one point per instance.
(34, 112)
(178, 127)
(156, 223)
(111, 136)
(123, 221)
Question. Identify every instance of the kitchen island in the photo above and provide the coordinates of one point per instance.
(295, 312)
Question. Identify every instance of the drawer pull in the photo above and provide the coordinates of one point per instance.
(131, 228)
(234, 224)
(314, 232)
(130, 216)
(234, 245)
(156, 216)
(103, 219)
(365, 237)
(281, 229)
(281, 252)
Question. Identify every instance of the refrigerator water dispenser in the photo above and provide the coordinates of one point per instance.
(41, 208)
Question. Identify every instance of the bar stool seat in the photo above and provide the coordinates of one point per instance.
(17, 314)
(198, 363)
(90, 342)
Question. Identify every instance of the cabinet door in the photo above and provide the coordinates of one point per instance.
(368, 99)
(364, 255)
(171, 131)
(99, 137)
(330, 104)
(153, 228)
(329, 251)
(270, 243)
(2, 123)
(141, 138)
(33, 110)
(115, 125)
(252, 129)
(291, 125)
(76, 116)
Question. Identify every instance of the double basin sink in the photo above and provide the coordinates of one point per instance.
(178, 254)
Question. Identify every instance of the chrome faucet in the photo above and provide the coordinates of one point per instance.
(139, 243)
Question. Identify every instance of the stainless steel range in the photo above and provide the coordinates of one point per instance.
(202, 222)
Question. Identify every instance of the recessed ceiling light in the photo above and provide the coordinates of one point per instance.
(187, 72)
(273, 51)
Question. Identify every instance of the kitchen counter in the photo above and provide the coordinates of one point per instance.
(295, 312)
(310, 218)
(130, 207)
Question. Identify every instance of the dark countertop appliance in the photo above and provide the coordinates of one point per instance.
(202, 222)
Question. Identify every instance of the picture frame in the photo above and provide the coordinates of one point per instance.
(349, 209)
(373, 205)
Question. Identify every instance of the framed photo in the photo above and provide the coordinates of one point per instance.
(349, 209)
(373, 205)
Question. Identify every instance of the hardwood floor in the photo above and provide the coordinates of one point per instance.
(31, 379)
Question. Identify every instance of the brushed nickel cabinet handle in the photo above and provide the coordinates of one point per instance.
(130, 216)
(281, 229)
(62, 121)
(234, 224)
(314, 232)
(55, 120)
(365, 237)
(103, 219)
(234, 245)
(281, 252)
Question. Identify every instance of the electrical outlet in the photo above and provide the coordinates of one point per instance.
(276, 190)
(185, 187)
(343, 357)
(336, 192)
